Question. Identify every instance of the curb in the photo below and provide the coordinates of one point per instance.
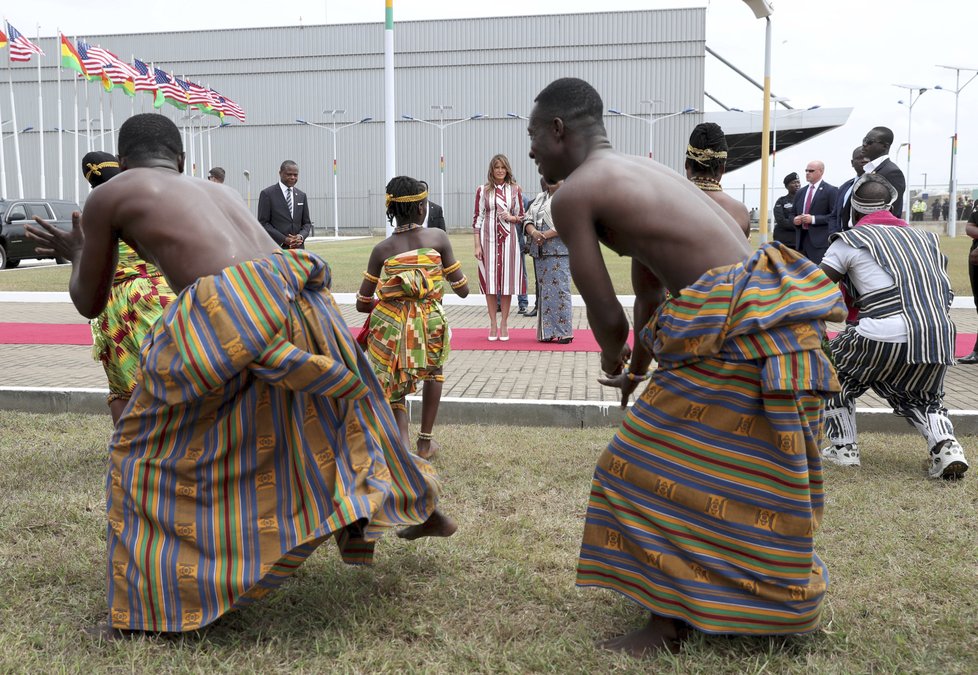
(454, 410)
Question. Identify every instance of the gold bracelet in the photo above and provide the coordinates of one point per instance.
(364, 298)
(451, 268)
(458, 284)
(370, 277)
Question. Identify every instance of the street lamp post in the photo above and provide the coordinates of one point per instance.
(762, 10)
(652, 121)
(441, 126)
(335, 130)
(910, 103)
(952, 220)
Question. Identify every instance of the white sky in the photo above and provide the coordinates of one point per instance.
(832, 53)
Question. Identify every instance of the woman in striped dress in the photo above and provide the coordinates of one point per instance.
(498, 212)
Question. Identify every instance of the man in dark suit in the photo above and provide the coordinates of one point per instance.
(876, 148)
(813, 205)
(841, 215)
(435, 216)
(283, 210)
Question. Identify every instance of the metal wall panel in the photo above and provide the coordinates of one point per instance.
(490, 66)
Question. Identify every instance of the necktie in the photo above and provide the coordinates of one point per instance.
(288, 201)
(808, 202)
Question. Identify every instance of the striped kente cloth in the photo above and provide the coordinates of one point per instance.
(703, 506)
(924, 298)
(138, 297)
(409, 338)
(258, 431)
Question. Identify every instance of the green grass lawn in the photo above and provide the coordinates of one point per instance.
(499, 596)
(348, 260)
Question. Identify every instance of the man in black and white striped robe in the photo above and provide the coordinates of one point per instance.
(904, 340)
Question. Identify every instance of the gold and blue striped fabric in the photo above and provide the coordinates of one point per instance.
(409, 337)
(704, 505)
(138, 297)
(258, 431)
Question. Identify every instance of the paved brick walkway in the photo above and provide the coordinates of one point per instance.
(523, 375)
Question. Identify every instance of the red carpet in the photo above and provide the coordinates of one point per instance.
(463, 339)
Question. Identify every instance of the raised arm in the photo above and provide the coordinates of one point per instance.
(92, 246)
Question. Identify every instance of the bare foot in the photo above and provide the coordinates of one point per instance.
(427, 449)
(660, 633)
(437, 525)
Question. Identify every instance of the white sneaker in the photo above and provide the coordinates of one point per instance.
(947, 460)
(843, 455)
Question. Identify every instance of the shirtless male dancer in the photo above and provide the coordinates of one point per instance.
(258, 429)
(683, 517)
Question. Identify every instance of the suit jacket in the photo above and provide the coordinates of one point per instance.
(822, 202)
(436, 216)
(273, 214)
(891, 172)
(842, 209)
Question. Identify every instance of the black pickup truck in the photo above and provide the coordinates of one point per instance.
(15, 213)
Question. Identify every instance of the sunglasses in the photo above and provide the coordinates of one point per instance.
(809, 170)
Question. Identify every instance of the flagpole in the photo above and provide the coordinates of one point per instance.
(388, 94)
(61, 133)
(13, 118)
(3, 166)
(88, 123)
(111, 126)
(101, 117)
(74, 173)
(40, 117)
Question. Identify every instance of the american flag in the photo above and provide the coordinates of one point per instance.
(168, 87)
(21, 48)
(114, 68)
(227, 106)
(93, 65)
(200, 96)
(143, 80)
(188, 92)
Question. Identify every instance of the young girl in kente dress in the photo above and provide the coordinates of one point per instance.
(409, 340)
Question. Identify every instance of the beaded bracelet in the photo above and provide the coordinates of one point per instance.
(451, 268)
(458, 284)
(637, 378)
(364, 298)
(370, 277)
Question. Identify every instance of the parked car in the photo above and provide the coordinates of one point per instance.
(15, 213)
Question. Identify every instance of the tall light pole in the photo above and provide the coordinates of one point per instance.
(762, 10)
(334, 130)
(652, 121)
(952, 220)
(915, 92)
(441, 126)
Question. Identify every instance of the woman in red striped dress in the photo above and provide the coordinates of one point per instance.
(498, 212)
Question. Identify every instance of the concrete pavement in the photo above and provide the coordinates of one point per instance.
(519, 387)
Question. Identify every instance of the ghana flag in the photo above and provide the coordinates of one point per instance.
(70, 58)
